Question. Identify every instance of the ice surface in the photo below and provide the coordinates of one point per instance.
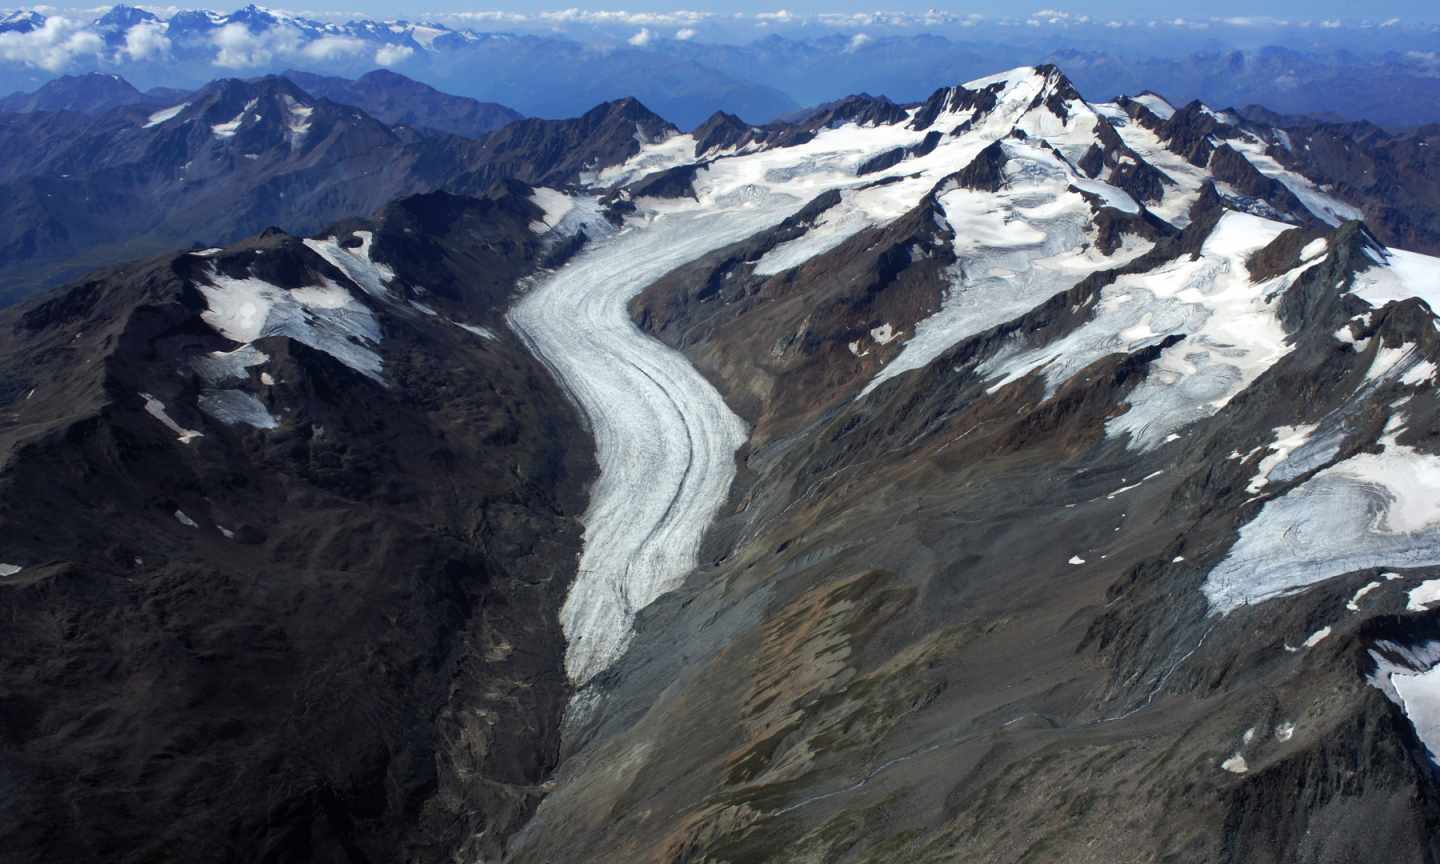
(1371, 510)
(1156, 105)
(1403, 275)
(1076, 560)
(1231, 333)
(220, 367)
(1110, 196)
(155, 408)
(1422, 596)
(236, 406)
(185, 520)
(10, 569)
(1174, 205)
(1016, 248)
(1288, 439)
(1235, 764)
(1410, 677)
(357, 265)
(1317, 637)
(556, 205)
(326, 317)
(165, 114)
(655, 156)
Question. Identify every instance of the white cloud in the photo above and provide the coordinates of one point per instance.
(1330, 24)
(389, 55)
(686, 34)
(52, 46)
(641, 39)
(638, 19)
(1390, 22)
(332, 47)
(858, 41)
(238, 47)
(146, 41)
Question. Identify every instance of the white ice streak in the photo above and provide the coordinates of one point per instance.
(155, 408)
(165, 114)
(297, 117)
(1288, 439)
(325, 317)
(230, 127)
(482, 332)
(185, 520)
(10, 569)
(232, 407)
(1354, 603)
(1317, 637)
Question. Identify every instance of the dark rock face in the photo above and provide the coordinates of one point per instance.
(1227, 165)
(87, 94)
(677, 182)
(81, 191)
(952, 99)
(722, 132)
(986, 172)
(1391, 177)
(396, 100)
(334, 640)
(556, 151)
(1143, 181)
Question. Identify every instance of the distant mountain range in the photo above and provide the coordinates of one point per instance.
(81, 189)
(685, 78)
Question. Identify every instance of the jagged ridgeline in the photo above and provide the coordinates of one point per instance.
(1003, 477)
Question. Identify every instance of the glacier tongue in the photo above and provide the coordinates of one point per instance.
(666, 441)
